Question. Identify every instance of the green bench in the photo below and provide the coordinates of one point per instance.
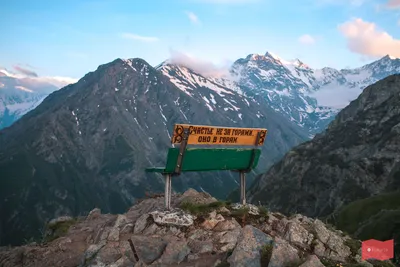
(195, 159)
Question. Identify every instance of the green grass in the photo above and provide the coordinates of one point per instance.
(240, 212)
(203, 209)
(352, 215)
(224, 262)
(354, 245)
(58, 229)
(266, 253)
(263, 211)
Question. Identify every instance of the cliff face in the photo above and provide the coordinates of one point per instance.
(356, 157)
(203, 233)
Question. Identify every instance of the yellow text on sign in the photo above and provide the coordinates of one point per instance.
(214, 135)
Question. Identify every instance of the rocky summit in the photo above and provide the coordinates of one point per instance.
(198, 231)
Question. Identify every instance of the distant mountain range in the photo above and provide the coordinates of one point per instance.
(309, 97)
(19, 94)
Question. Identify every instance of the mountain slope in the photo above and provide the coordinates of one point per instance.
(88, 144)
(355, 158)
(309, 97)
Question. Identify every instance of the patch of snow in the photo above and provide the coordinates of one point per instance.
(183, 114)
(116, 89)
(213, 99)
(284, 92)
(161, 111)
(240, 116)
(236, 108)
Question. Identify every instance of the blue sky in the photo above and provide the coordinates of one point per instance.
(71, 38)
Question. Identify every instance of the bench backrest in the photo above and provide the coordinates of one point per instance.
(212, 159)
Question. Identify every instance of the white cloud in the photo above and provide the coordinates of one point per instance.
(57, 81)
(146, 39)
(366, 39)
(355, 3)
(393, 3)
(203, 67)
(335, 96)
(193, 18)
(306, 39)
(228, 1)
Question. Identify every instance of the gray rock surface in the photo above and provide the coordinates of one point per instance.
(103, 240)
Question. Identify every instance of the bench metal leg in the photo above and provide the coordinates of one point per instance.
(167, 195)
(243, 188)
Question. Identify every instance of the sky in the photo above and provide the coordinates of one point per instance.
(67, 39)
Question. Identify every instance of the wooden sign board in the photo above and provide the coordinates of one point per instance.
(214, 135)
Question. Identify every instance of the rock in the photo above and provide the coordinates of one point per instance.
(312, 261)
(212, 220)
(91, 253)
(122, 262)
(141, 223)
(140, 264)
(127, 229)
(104, 233)
(195, 197)
(283, 254)
(193, 257)
(229, 236)
(199, 234)
(337, 249)
(173, 217)
(93, 214)
(126, 251)
(224, 210)
(110, 253)
(175, 252)
(297, 235)
(121, 221)
(247, 251)
(114, 234)
(226, 225)
(253, 209)
(200, 246)
(148, 248)
(319, 248)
